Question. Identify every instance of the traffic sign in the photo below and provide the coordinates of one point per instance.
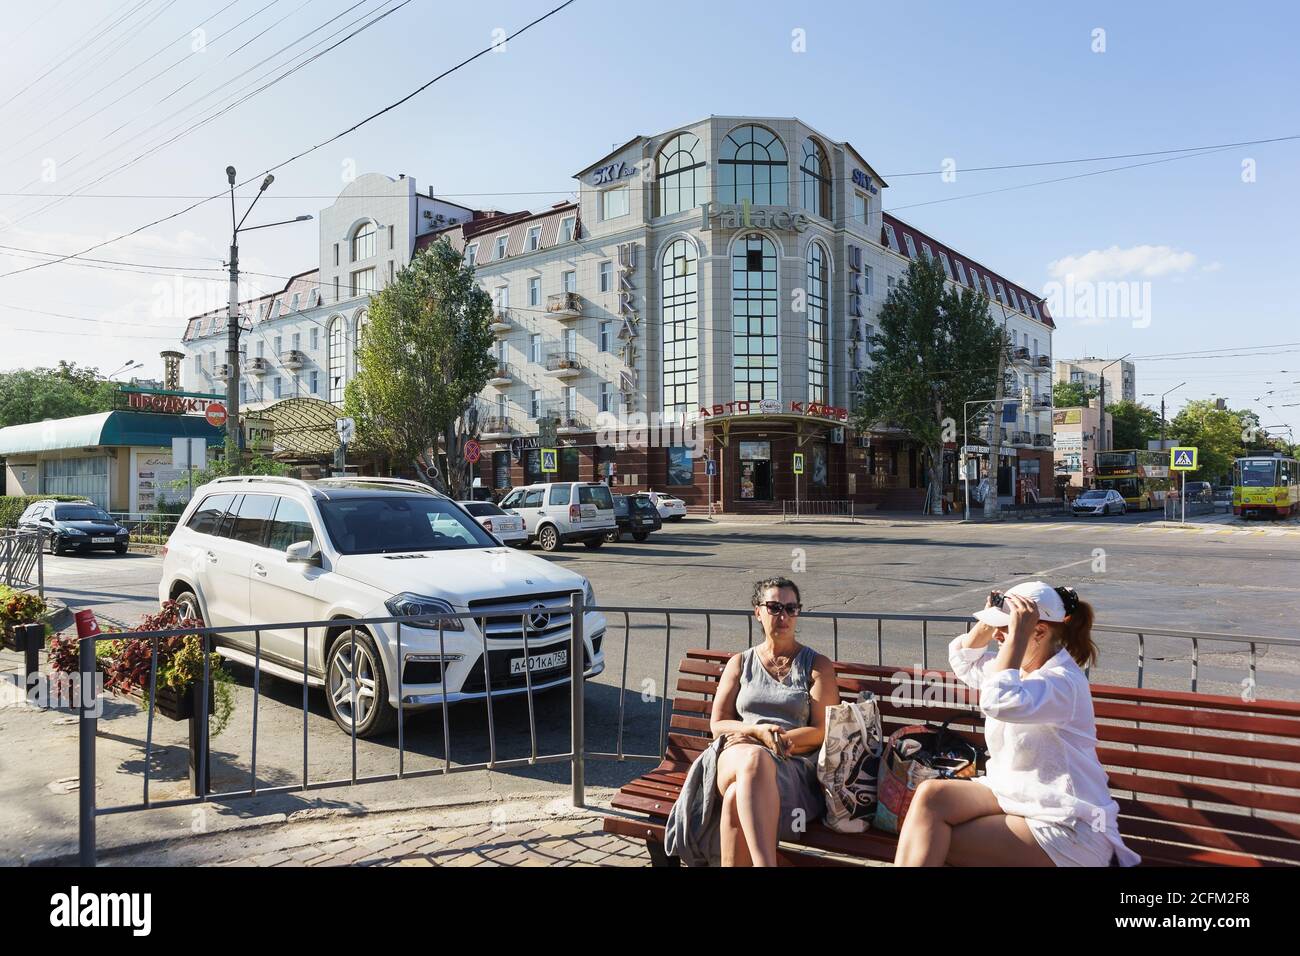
(710, 466)
(215, 414)
(798, 463)
(550, 459)
(473, 451)
(347, 429)
(1182, 459)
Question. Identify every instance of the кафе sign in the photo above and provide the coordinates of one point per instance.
(772, 407)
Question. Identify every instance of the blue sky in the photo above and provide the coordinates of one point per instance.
(910, 85)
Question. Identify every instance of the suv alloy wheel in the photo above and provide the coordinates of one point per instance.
(548, 538)
(362, 674)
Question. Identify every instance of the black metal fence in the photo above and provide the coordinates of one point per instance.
(22, 563)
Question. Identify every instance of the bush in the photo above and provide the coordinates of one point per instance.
(13, 506)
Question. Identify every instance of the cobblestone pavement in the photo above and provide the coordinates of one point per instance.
(506, 834)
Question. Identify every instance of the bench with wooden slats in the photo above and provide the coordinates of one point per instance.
(1200, 779)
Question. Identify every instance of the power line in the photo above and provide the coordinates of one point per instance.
(303, 153)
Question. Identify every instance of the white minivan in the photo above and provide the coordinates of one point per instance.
(556, 513)
(265, 550)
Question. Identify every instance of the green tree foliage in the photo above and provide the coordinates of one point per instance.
(1220, 434)
(1134, 424)
(937, 349)
(1071, 395)
(425, 356)
(35, 394)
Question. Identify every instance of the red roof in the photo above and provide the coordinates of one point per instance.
(969, 266)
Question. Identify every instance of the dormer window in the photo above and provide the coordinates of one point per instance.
(502, 241)
(534, 238)
(911, 246)
(890, 238)
(566, 228)
(471, 252)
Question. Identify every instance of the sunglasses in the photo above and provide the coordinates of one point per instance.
(776, 607)
(1069, 597)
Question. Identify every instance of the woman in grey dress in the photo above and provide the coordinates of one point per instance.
(769, 718)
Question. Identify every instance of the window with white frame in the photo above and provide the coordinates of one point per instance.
(336, 360)
(279, 346)
(679, 175)
(605, 271)
(390, 237)
(614, 203)
(297, 341)
(860, 209)
(680, 303)
(605, 396)
(988, 285)
(925, 251)
(275, 383)
(606, 336)
(1033, 307)
(315, 382)
(534, 238)
(535, 403)
(363, 242)
(755, 315)
(502, 242)
(534, 291)
(911, 246)
(471, 251)
(198, 362)
(817, 276)
(947, 266)
(571, 401)
(570, 280)
(890, 238)
(752, 164)
(363, 282)
(501, 294)
(535, 350)
(1002, 294)
(868, 280)
(261, 348)
(961, 272)
(567, 225)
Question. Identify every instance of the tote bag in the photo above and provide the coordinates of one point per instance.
(848, 763)
(913, 755)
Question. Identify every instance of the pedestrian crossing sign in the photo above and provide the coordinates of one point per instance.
(798, 463)
(1182, 459)
(549, 458)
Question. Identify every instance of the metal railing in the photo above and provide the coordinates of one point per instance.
(850, 636)
(22, 560)
(146, 528)
(812, 509)
(1176, 510)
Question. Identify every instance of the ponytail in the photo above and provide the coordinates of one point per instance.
(1076, 635)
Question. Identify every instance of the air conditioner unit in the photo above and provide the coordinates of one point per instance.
(864, 441)
(428, 214)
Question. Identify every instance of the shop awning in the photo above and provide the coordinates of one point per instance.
(106, 428)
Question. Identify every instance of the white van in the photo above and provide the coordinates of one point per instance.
(556, 513)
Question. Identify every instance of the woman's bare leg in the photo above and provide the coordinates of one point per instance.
(752, 771)
(997, 840)
(937, 807)
(735, 851)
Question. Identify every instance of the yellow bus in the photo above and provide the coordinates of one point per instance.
(1139, 475)
(1268, 486)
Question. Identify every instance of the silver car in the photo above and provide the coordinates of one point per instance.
(1100, 501)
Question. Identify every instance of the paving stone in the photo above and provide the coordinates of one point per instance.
(413, 861)
(591, 856)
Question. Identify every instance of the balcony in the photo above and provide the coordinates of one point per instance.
(501, 322)
(571, 424)
(501, 376)
(1020, 438)
(564, 305)
(292, 359)
(258, 366)
(495, 426)
(563, 365)
(1021, 354)
(1043, 401)
(1043, 361)
(1043, 441)
(221, 373)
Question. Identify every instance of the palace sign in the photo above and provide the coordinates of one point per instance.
(746, 216)
(769, 407)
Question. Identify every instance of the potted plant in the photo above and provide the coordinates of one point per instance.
(180, 671)
(18, 607)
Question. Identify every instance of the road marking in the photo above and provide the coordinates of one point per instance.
(1030, 576)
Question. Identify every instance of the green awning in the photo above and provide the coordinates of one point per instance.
(106, 428)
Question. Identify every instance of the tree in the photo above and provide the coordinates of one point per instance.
(425, 356)
(1071, 395)
(35, 394)
(1219, 434)
(1134, 424)
(937, 349)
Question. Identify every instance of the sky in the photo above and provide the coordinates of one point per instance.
(117, 113)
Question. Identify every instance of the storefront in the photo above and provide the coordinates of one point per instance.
(122, 461)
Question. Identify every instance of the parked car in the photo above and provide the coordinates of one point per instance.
(507, 526)
(79, 526)
(1223, 498)
(262, 549)
(636, 515)
(670, 508)
(556, 513)
(1100, 501)
(1199, 491)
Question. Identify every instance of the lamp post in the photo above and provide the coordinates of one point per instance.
(965, 417)
(130, 366)
(1162, 410)
(1102, 376)
(232, 309)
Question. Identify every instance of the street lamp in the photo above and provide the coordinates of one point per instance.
(965, 415)
(130, 365)
(1102, 409)
(1162, 410)
(232, 308)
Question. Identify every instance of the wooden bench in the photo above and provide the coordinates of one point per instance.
(1200, 779)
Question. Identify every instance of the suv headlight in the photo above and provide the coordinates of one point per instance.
(588, 594)
(414, 605)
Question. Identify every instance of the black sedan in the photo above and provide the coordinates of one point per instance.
(636, 515)
(70, 526)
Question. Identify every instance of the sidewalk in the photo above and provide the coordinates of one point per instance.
(513, 832)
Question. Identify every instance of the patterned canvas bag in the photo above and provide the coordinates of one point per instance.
(848, 763)
(913, 755)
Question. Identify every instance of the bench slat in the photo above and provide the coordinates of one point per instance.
(1197, 767)
(1218, 819)
(1203, 792)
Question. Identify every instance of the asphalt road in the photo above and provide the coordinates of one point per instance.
(1212, 579)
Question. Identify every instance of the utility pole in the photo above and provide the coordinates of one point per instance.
(995, 428)
(1102, 403)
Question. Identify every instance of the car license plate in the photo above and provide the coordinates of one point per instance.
(647, 520)
(540, 662)
(101, 540)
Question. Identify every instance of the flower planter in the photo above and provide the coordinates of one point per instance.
(175, 704)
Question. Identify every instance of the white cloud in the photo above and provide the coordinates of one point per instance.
(1115, 263)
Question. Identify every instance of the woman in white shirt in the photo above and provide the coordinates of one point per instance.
(1045, 800)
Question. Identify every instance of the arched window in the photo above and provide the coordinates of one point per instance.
(818, 324)
(815, 179)
(363, 241)
(752, 165)
(679, 170)
(337, 360)
(681, 313)
(357, 337)
(754, 318)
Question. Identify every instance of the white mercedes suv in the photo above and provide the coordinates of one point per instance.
(269, 550)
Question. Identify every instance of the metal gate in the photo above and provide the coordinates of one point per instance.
(21, 566)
